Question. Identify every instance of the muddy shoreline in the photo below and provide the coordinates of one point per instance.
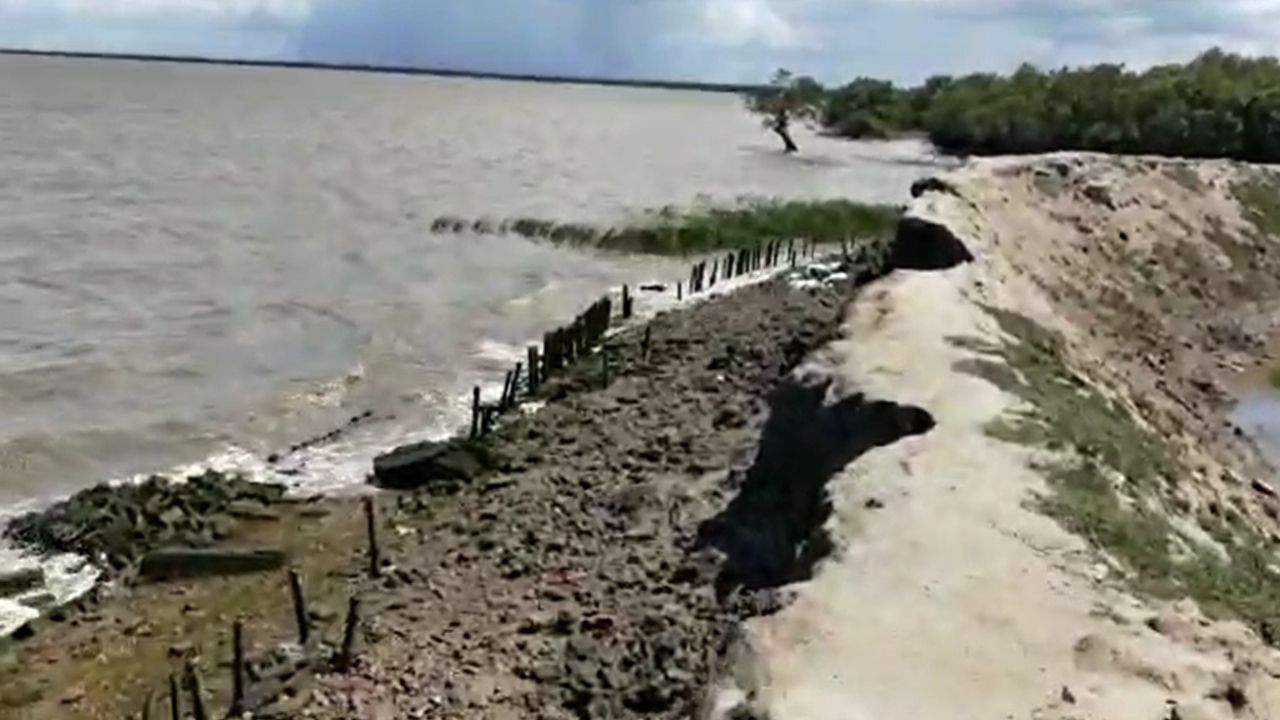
(599, 568)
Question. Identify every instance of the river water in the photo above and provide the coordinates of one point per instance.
(204, 263)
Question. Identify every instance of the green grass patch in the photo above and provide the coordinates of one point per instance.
(1107, 486)
(1260, 199)
(671, 231)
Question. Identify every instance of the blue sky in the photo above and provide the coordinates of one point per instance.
(730, 40)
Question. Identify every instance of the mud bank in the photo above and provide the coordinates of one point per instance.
(1082, 533)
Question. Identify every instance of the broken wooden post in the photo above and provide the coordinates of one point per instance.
(486, 420)
(533, 369)
(175, 702)
(644, 344)
(506, 391)
(299, 608)
(515, 385)
(475, 412)
(346, 657)
(237, 669)
(371, 524)
(196, 687)
(679, 292)
(626, 303)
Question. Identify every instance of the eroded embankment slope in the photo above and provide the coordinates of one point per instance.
(1081, 534)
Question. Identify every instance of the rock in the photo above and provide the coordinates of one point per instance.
(932, 184)
(414, 466)
(13, 582)
(1173, 626)
(25, 631)
(177, 563)
(121, 523)
(1100, 194)
(920, 244)
(1262, 487)
(39, 601)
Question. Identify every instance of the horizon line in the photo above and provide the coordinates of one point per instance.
(689, 85)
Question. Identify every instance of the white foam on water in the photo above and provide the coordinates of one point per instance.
(66, 578)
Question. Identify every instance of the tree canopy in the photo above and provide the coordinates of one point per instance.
(1218, 105)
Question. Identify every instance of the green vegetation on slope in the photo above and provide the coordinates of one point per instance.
(1218, 105)
(671, 232)
(1113, 483)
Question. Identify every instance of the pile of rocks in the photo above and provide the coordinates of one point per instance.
(118, 525)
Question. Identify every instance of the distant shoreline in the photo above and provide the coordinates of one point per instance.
(389, 70)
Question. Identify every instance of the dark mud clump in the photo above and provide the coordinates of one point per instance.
(119, 524)
(773, 533)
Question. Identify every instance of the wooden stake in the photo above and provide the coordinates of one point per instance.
(626, 303)
(175, 701)
(299, 608)
(475, 412)
(679, 292)
(347, 656)
(196, 687)
(533, 369)
(237, 669)
(515, 385)
(371, 524)
(644, 344)
(506, 391)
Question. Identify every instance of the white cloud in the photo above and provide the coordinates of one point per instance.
(738, 23)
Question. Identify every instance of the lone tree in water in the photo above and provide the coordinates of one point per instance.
(787, 98)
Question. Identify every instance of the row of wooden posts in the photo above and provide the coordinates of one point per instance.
(704, 275)
(561, 347)
(343, 661)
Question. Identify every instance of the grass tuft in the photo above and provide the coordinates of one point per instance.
(670, 231)
(1105, 487)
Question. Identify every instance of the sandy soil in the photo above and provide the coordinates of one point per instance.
(949, 594)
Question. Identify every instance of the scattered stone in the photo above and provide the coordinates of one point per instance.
(1068, 697)
(122, 523)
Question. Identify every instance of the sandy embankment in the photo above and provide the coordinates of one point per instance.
(951, 594)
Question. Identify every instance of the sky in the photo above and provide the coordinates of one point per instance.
(715, 40)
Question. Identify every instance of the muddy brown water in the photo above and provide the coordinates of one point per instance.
(203, 262)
